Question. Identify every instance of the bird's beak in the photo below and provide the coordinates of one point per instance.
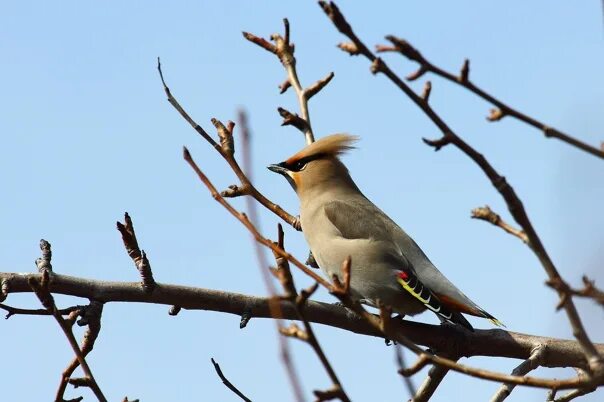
(278, 168)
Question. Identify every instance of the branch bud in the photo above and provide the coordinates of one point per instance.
(226, 137)
(350, 48)
(495, 114)
(465, 72)
(406, 49)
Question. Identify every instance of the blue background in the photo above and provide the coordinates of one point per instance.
(87, 134)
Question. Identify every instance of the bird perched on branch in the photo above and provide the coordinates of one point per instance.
(339, 221)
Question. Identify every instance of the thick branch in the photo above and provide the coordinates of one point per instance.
(493, 342)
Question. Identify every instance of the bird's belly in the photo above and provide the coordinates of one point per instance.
(372, 278)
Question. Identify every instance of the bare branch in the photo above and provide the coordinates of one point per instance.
(24, 311)
(501, 109)
(284, 50)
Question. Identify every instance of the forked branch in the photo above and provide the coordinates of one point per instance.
(284, 50)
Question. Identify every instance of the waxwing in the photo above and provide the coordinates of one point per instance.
(339, 221)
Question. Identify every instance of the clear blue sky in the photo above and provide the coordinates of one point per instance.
(87, 134)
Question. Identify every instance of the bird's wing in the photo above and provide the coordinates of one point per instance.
(359, 220)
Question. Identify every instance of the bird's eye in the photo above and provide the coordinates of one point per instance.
(300, 165)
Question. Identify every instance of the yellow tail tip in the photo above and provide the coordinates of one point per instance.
(496, 322)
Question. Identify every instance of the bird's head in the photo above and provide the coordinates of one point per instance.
(317, 164)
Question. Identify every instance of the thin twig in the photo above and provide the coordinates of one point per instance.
(513, 202)
(501, 109)
(24, 311)
(227, 383)
(522, 369)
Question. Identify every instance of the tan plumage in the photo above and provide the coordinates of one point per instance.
(339, 221)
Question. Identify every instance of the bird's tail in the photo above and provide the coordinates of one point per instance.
(493, 320)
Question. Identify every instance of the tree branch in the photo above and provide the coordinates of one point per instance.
(492, 342)
(501, 109)
(284, 50)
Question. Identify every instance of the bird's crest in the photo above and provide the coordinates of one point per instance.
(332, 145)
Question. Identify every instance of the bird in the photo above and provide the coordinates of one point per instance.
(387, 265)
